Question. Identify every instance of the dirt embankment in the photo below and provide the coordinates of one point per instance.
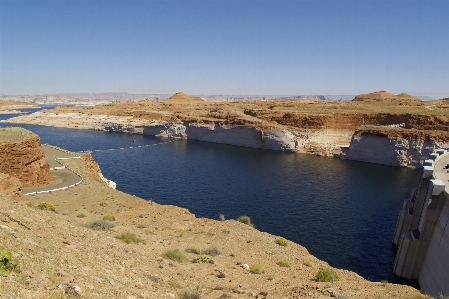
(22, 156)
(170, 254)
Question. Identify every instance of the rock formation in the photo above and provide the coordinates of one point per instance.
(181, 97)
(384, 96)
(393, 146)
(22, 156)
(308, 126)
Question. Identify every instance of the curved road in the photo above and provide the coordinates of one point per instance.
(64, 178)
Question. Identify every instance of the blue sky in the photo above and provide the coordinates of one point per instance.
(225, 47)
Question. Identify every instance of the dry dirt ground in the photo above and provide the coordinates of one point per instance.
(61, 257)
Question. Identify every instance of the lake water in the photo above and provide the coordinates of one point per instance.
(343, 212)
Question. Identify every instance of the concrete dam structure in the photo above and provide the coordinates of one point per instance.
(422, 229)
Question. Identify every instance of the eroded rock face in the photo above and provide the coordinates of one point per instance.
(11, 186)
(22, 156)
(393, 147)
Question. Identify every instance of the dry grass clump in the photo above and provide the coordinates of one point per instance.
(108, 218)
(46, 206)
(128, 238)
(326, 275)
(192, 293)
(256, 268)
(101, 225)
(245, 220)
(282, 241)
(212, 251)
(283, 263)
(175, 255)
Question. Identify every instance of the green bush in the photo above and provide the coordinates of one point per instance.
(326, 275)
(108, 218)
(203, 259)
(7, 264)
(128, 238)
(245, 220)
(46, 206)
(283, 263)
(256, 268)
(282, 241)
(175, 255)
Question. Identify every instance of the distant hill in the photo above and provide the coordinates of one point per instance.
(181, 98)
(384, 96)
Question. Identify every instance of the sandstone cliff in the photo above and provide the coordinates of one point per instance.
(392, 146)
(306, 126)
(23, 157)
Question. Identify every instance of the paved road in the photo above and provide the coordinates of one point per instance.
(64, 176)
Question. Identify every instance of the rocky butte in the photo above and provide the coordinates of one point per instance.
(378, 127)
(102, 243)
(22, 157)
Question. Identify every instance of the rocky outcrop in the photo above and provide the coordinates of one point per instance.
(22, 156)
(384, 96)
(394, 146)
(181, 97)
(233, 135)
(11, 186)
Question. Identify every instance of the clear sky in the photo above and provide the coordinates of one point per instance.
(225, 47)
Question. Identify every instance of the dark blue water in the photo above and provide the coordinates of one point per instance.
(343, 212)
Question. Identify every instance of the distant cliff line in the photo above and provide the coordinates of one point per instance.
(381, 145)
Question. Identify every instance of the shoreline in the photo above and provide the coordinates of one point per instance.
(379, 145)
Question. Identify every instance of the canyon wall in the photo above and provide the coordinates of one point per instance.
(22, 156)
(392, 146)
(327, 136)
(234, 135)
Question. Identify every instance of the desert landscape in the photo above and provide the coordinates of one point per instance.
(93, 241)
(403, 128)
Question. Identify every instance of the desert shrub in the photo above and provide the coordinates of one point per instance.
(327, 275)
(128, 238)
(46, 206)
(103, 204)
(245, 220)
(221, 217)
(80, 215)
(256, 268)
(282, 263)
(175, 255)
(108, 218)
(203, 259)
(212, 251)
(192, 293)
(101, 225)
(195, 249)
(308, 261)
(282, 241)
(7, 264)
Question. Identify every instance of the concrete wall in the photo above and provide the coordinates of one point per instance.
(434, 276)
(422, 234)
